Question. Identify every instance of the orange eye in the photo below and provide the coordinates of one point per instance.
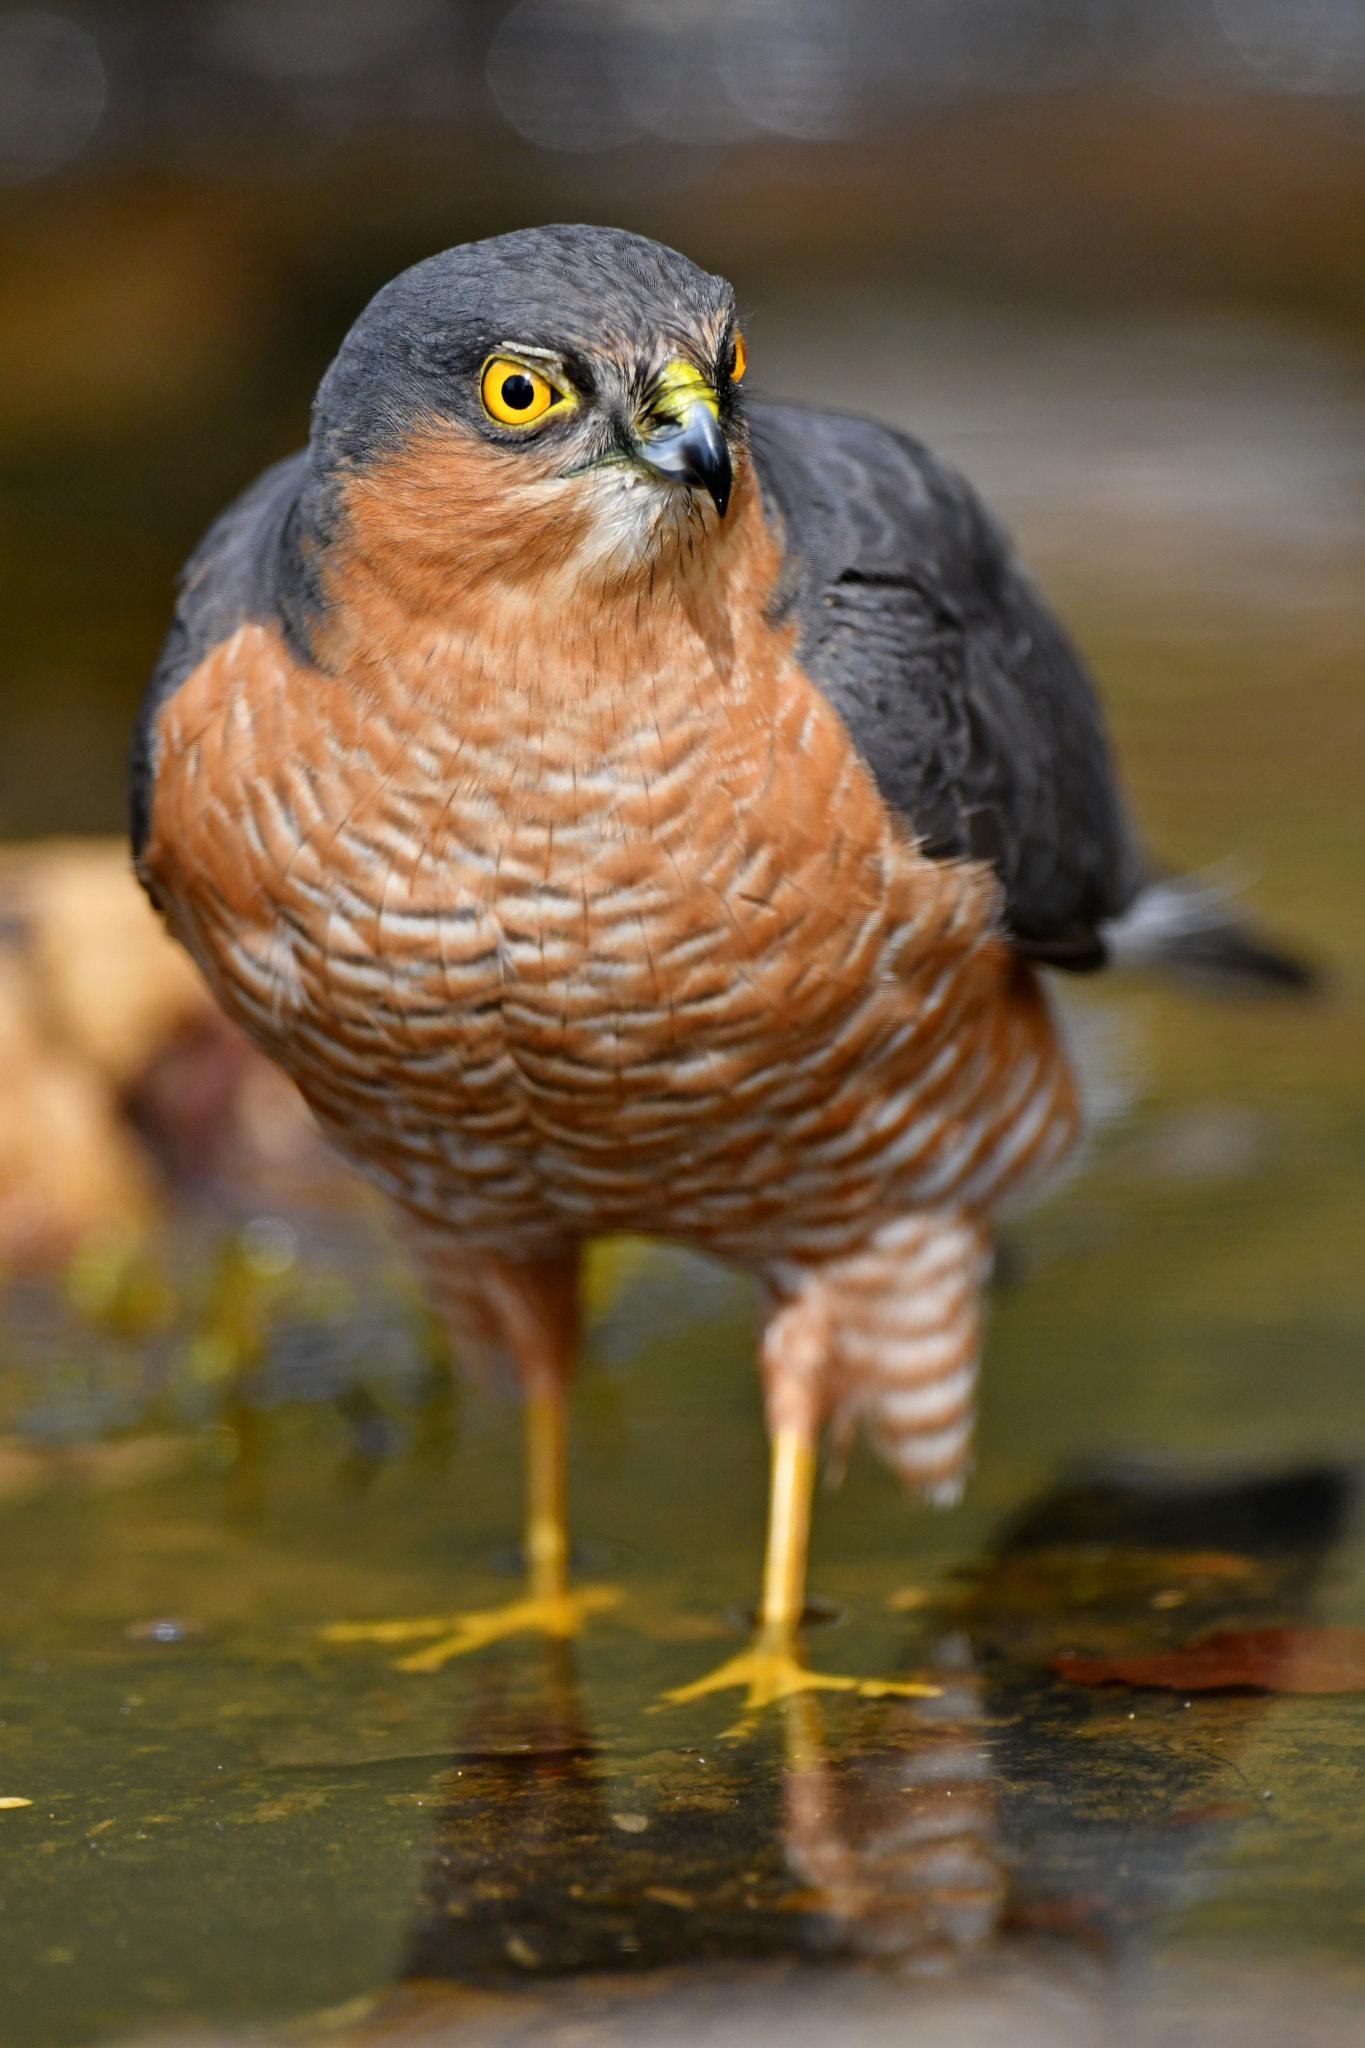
(741, 358)
(514, 395)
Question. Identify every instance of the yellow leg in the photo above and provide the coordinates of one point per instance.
(771, 1668)
(790, 1491)
(548, 1606)
(547, 1494)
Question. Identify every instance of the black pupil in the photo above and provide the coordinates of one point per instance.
(518, 392)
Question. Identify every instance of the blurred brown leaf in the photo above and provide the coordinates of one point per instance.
(1302, 1660)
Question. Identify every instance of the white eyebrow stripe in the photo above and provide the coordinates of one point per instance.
(521, 348)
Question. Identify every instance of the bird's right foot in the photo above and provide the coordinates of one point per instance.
(771, 1669)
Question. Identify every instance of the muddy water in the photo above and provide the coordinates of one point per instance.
(235, 1812)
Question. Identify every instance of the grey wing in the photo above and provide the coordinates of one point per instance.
(247, 567)
(958, 687)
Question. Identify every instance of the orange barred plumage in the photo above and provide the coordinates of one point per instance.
(548, 960)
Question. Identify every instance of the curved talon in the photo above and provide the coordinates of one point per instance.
(556, 1614)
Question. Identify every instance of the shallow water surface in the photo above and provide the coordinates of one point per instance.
(235, 1811)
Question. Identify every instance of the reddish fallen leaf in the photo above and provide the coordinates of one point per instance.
(1247, 1660)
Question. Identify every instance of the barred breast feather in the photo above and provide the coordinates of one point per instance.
(638, 948)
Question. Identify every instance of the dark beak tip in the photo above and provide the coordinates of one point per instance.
(710, 469)
(699, 457)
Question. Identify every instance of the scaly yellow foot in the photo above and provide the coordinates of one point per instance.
(771, 1670)
(554, 1614)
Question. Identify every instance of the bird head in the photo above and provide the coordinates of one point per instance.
(554, 394)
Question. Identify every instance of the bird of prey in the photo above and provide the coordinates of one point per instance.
(623, 807)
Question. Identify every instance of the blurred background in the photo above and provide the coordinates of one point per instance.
(1109, 257)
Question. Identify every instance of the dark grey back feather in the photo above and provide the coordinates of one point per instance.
(958, 687)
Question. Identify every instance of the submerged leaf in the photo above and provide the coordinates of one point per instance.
(1304, 1660)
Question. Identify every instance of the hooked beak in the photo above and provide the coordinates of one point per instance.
(679, 435)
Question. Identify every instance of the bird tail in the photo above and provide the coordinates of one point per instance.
(1190, 926)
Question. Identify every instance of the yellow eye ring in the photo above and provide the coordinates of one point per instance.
(513, 395)
(741, 358)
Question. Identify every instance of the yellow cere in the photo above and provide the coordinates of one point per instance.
(513, 394)
(677, 388)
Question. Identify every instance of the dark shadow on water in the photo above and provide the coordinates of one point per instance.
(1293, 1517)
(1107, 1799)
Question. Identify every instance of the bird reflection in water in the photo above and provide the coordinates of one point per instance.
(898, 1842)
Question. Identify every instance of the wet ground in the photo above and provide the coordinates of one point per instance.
(217, 1809)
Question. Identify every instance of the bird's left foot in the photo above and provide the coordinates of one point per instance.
(456, 1635)
(771, 1670)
